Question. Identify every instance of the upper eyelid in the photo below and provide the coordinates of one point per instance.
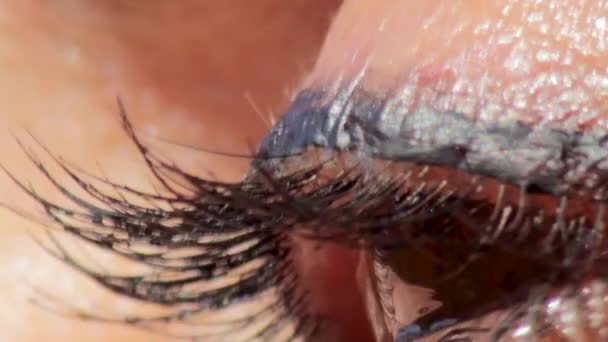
(537, 157)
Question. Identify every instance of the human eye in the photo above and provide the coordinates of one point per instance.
(439, 177)
(488, 110)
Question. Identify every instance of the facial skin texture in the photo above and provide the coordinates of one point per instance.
(191, 71)
(509, 45)
(62, 81)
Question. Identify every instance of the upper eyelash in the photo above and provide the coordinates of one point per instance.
(213, 208)
(263, 208)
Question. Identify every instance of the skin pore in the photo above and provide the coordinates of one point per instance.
(484, 55)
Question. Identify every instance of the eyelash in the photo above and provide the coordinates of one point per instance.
(251, 219)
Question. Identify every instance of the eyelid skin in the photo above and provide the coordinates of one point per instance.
(464, 41)
(356, 99)
(488, 100)
(539, 157)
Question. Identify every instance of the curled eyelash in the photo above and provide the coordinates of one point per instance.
(232, 256)
(213, 246)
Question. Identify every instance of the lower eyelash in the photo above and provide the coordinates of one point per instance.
(238, 231)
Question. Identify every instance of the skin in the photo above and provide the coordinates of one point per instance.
(181, 78)
(187, 71)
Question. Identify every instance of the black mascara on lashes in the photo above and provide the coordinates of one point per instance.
(217, 208)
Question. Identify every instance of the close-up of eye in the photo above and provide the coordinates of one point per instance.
(304, 170)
